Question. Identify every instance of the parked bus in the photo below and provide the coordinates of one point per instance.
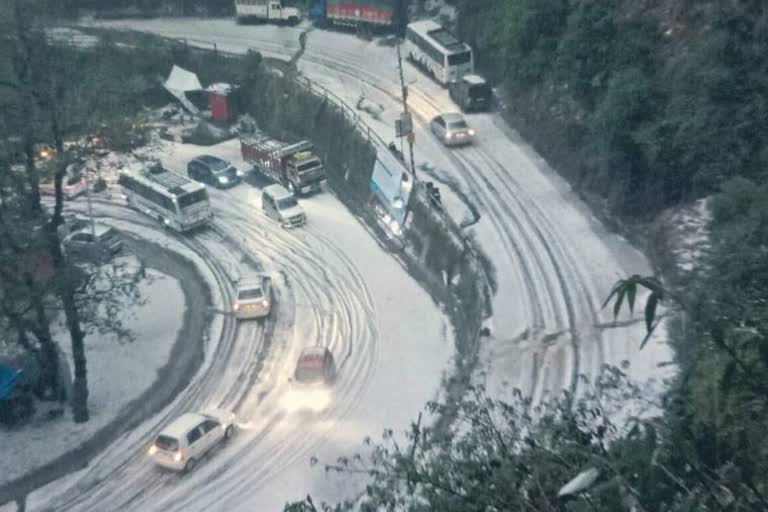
(437, 51)
(175, 200)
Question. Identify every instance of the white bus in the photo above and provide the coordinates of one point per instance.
(438, 52)
(173, 199)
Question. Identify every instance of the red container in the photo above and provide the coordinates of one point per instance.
(220, 108)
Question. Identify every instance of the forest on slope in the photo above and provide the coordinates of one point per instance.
(661, 100)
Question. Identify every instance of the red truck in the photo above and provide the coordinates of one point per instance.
(373, 13)
(295, 166)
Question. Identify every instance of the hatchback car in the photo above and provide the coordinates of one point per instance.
(182, 444)
(253, 298)
(213, 171)
(98, 242)
(278, 203)
(452, 129)
(315, 366)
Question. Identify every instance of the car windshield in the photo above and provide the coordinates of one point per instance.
(287, 202)
(216, 165)
(458, 125)
(192, 198)
(167, 443)
(307, 166)
(250, 293)
(310, 369)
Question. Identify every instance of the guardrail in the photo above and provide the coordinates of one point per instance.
(345, 109)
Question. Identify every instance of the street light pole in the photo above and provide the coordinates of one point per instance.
(404, 90)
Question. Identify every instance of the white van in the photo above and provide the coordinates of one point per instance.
(282, 206)
(184, 442)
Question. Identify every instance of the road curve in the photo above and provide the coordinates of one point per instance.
(555, 262)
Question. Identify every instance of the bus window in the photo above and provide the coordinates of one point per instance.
(192, 198)
(457, 59)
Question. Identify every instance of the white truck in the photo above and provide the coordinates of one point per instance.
(265, 10)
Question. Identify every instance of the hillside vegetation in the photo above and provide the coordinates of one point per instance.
(659, 100)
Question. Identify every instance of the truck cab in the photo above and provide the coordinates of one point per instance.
(266, 10)
(278, 12)
(305, 170)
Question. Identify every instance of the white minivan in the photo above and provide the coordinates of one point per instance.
(182, 444)
(278, 203)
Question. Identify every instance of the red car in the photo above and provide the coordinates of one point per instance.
(316, 365)
(72, 187)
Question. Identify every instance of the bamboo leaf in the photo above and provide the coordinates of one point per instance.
(647, 337)
(616, 288)
(650, 310)
(617, 305)
(631, 294)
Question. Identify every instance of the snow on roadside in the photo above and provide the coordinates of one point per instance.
(687, 233)
(72, 36)
(118, 372)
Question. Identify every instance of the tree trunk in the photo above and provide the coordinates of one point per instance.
(66, 288)
(49, 359)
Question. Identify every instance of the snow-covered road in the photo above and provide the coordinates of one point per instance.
(555, 262)
(335, 287)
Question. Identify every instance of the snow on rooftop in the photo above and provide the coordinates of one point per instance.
(474, 79)
(220, 88)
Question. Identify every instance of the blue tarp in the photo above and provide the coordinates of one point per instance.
(9, 376)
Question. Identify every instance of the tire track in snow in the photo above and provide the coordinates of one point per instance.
(350, 330)
(95, 487)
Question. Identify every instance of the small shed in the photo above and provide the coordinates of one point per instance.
(220, 101)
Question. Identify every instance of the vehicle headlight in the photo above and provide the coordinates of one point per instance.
(223, 180)
(236, 307)
(239, 173)
(152, 450)
(265, 302)
(472, 132)
(178, 457)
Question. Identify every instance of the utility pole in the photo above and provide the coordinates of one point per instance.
(406, 113)
(92, 140)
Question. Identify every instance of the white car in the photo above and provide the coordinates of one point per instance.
(253, 298)
(452, 129)
(278, 203)
(182, 444)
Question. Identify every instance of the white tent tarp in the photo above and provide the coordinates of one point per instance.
(181, 81)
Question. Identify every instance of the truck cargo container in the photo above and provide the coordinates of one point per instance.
(354, 13)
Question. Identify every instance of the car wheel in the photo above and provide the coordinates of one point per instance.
(190, 465)
(229, 432)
